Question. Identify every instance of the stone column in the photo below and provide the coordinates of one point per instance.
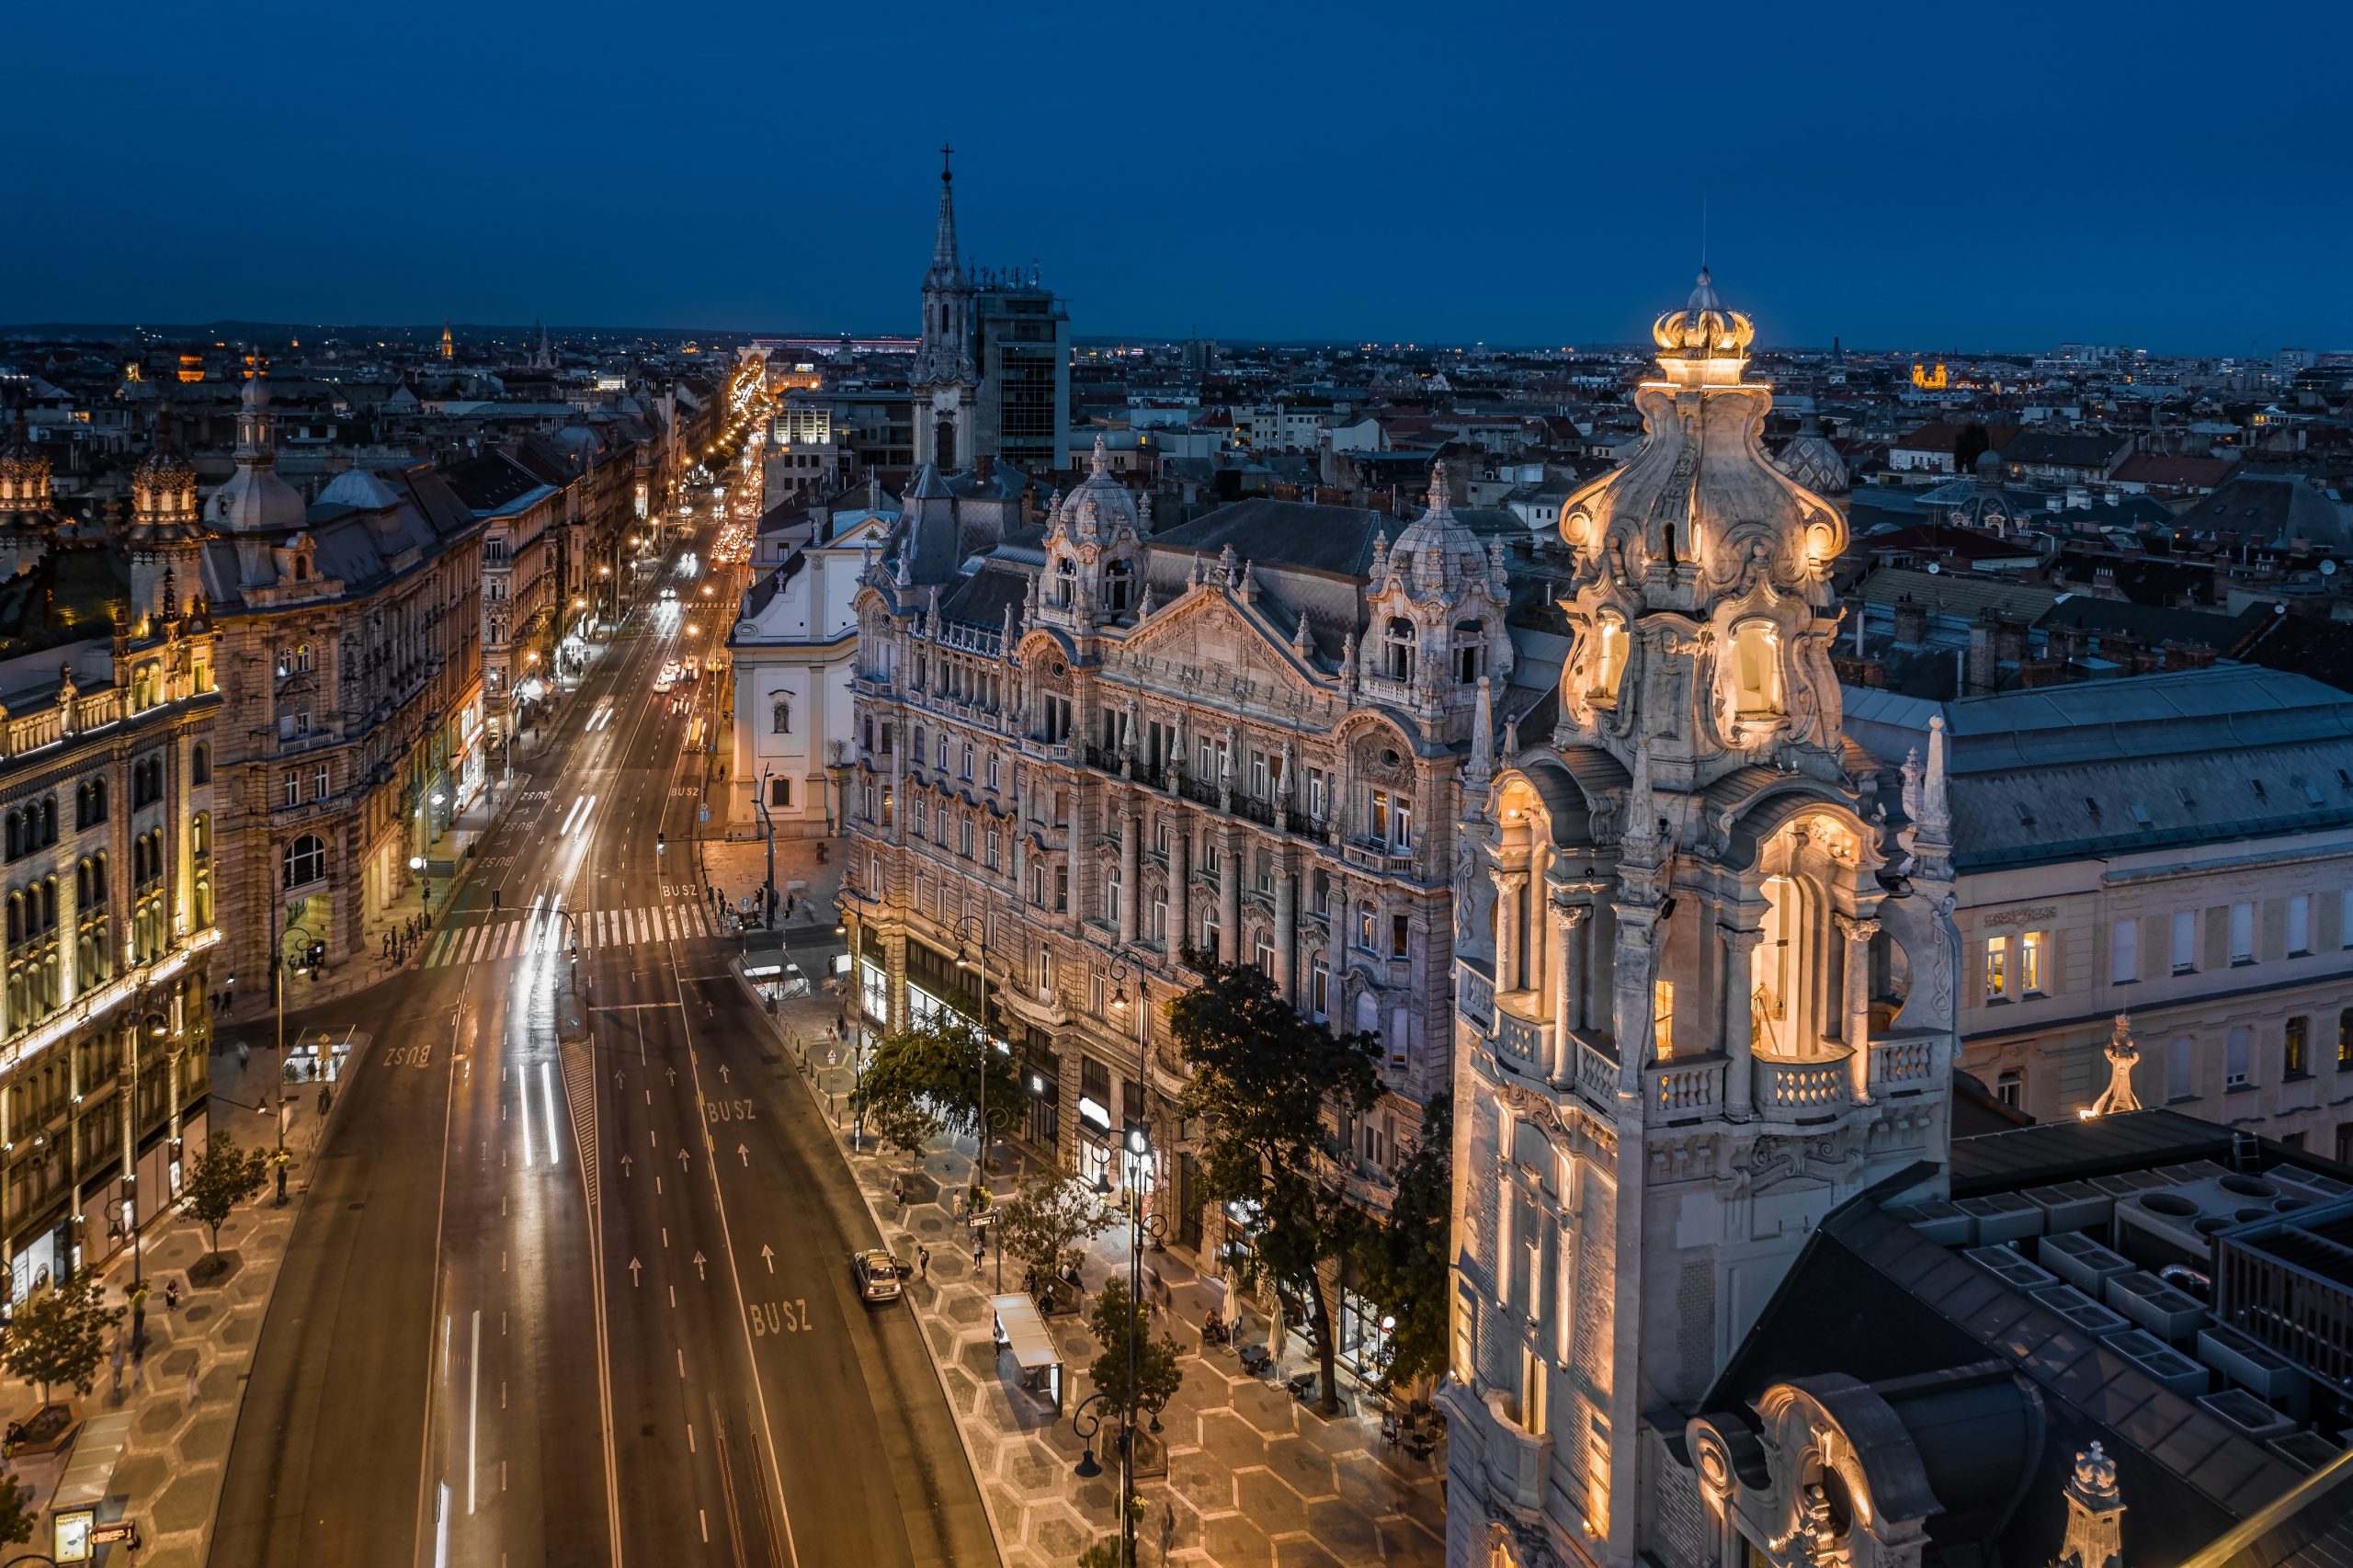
(1286, 926)
(1538, 931)
(1739, 1015)
(1229, 903)
(1510, 928)
(1566, 919)
(1131, 878)
(1859, 931)
(895, 953)
(1631, 1001)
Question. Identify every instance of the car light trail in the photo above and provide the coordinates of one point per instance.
(547, 1085)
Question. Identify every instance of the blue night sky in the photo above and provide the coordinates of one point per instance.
(1984, 177)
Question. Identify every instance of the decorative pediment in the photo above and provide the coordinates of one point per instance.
(1206, 633)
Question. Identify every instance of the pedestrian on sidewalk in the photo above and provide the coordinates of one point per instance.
(138, 1365)
(191, 1385)
(244, 1052)
(115, 1360)
(171, 1295)
(923, 1261)
(899, 1193)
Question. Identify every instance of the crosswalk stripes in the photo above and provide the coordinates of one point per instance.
(518, 935)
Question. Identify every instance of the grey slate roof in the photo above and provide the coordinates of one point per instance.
(2269, 506)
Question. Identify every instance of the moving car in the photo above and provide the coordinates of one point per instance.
(876, 1275)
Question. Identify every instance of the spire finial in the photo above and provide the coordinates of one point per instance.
(1102, 453)
(946, 153)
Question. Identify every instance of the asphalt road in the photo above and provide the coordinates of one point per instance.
(587, 1300)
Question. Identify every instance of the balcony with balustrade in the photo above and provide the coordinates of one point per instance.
(1520, 1039)
(1800, 1090)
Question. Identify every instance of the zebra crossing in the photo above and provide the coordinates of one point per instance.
(523, 933)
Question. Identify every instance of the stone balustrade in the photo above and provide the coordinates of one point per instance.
(1815, 1087)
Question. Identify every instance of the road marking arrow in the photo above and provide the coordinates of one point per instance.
(744, 1154)
(698, 1273)
(723, 1072)
(767, 1256)
(617, 1077)
(626, 1162)
(673, 1077)
(634, 1267)
(682, 1159)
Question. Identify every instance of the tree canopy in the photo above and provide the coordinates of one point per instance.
(1262, 1078)
(1402, 1261)
(222, 1176)
(927, 1079)
(58, 1335)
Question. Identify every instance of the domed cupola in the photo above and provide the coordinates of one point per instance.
(254, 500)
(25, 497)
(163, 494)
(1436, 602)
(1093, 551)
(1812, 461)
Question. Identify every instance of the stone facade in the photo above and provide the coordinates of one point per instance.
(1103, 747)
(1706, 979)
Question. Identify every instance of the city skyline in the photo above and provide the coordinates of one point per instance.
(1211, 184)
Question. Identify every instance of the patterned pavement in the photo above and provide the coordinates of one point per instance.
(1252, 1476)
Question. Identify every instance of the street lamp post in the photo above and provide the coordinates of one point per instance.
(278, 977)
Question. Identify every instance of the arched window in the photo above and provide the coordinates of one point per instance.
(15, 834)
(1470, 650)
(305, 861)
(1397, 649)
(99, 876)
(1755, 668)
(780, 715)
(199, 834)
(48, 820)
(203, 900)
(1117, 584)
(199, 764)
(1609, 657)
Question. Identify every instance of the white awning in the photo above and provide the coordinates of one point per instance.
(1023, 1332)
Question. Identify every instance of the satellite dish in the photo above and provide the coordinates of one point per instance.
(2280, 609)
(1934, 569)
(2328, 568)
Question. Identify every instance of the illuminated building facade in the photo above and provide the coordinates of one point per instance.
(1706, 979)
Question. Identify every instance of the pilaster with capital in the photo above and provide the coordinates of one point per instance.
(1180, 886)
(1229, 900)
(1286, 925)
(1510, 928)
(1130, 879)
(1565, 918)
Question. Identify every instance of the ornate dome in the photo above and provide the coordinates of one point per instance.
(1437, 553)
(1099, 508)
(1812, 461)
(24, 470)
(1702, 333)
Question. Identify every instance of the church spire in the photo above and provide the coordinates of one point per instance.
(944, 271)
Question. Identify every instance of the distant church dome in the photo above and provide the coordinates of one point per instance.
(1812, 461)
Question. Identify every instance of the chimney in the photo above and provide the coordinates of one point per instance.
(2119, 646)
(984, 465)
(1911, 621)
(2068, 641)
(1977, 669)
(2009, 641)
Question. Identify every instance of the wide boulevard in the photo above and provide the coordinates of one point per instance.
(569, 1300)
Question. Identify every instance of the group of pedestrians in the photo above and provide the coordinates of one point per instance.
(401, 939)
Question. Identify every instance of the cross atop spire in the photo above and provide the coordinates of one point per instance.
(944, 268)
(946, 153)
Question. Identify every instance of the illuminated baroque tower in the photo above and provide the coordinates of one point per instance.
(166, 536)
(945, 381)
(1705, 992)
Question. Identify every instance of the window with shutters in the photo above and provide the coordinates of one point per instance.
(2124, 953)
(2242, 933)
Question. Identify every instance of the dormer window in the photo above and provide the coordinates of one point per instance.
(1756, 663)
(1609, 658)
(1116, 583)
(1397, 649)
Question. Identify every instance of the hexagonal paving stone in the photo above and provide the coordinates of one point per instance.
(1225, 1434)
(972, 1311)
(1344, 1531)
(1267, 1498)
(1346, 1435)
(1298, 1461)
(207, 1438)
(1312, 1553)
(1202, 1478)
(186, 1504)
(1232, 1540)
(1060, 1537)
(1268, 1410)
(1366, 1486)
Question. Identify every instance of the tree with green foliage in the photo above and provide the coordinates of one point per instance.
(1261, 1079)
(1402, 1261)
(928, 1078)
(1119, 1318)
(58, 1335)
(17, 1515)
(1047, 1222)
(224, 1176)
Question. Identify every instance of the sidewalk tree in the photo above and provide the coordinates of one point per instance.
(1261, 1078)
(58, 1335)
(1118, 1318)
(1402, 1261)
(224, 1176)
(926, 1079)
(17, 1514)
(1047, 1224)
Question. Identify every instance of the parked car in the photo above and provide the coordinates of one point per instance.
(876, 1274)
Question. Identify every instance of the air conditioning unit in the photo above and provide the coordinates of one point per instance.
(2249, 1363)
(2308, 1451)
(2156, 1306)
(1941, 1222)
(2161, 1362)
(2072, 1206)
(2249, 1415)
(2005, 1265)
(2003, 1217)
(2081, 1261)
(2083, 1312)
